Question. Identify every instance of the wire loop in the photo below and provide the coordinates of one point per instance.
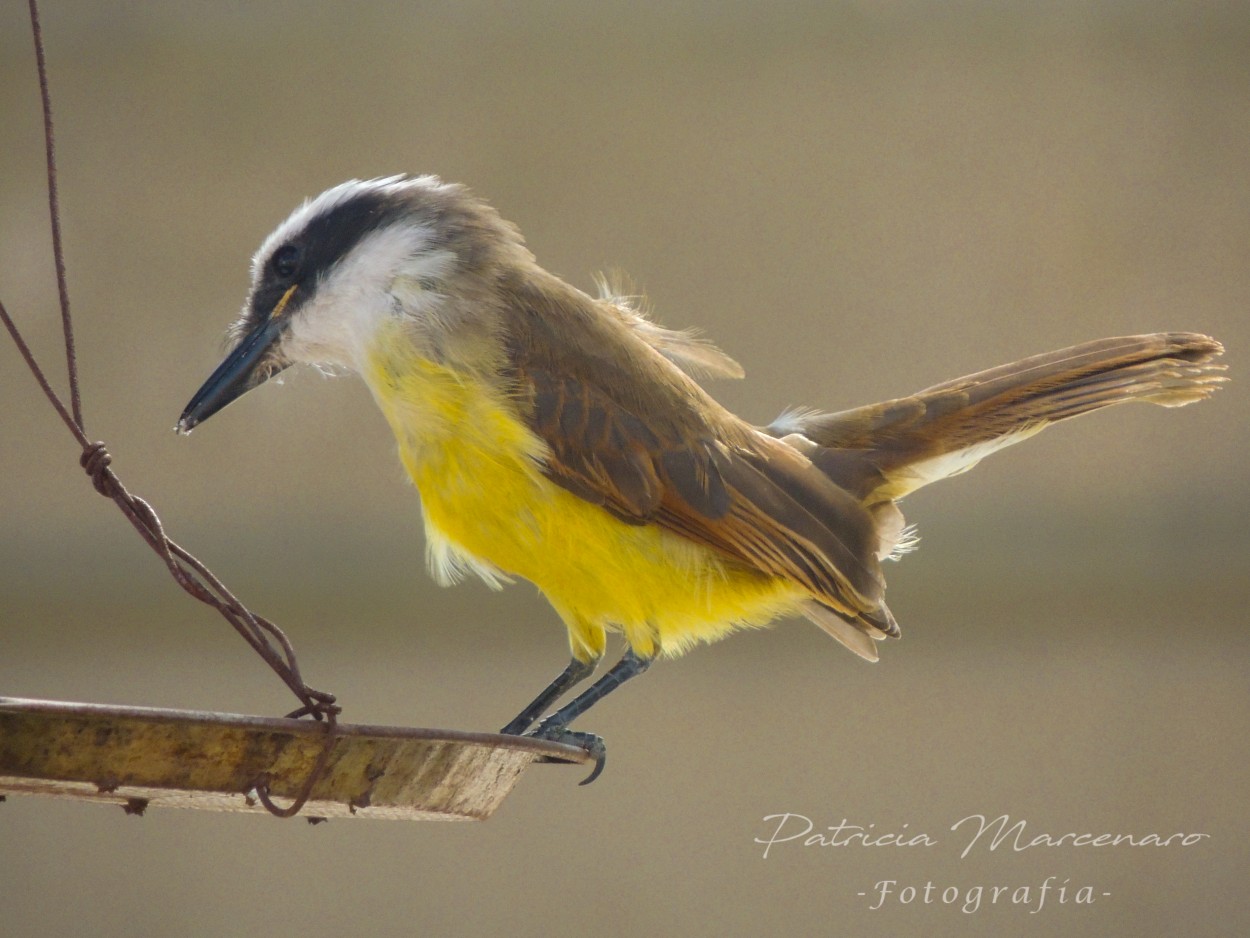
(261, 786)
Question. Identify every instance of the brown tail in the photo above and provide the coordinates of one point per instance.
(883, 451)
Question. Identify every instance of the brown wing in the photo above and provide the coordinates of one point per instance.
(629, 432)
(765, 507)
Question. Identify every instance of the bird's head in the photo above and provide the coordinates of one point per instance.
(348, 262)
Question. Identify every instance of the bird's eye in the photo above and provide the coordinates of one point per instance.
(285, 261)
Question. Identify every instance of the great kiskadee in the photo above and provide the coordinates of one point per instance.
(560, 437)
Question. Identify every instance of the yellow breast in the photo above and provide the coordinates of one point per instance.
(490, 510)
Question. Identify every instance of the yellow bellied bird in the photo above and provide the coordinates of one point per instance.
(561, 437)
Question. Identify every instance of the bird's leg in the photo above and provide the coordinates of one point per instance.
(631, 665)
(556, 726)
(575, 673)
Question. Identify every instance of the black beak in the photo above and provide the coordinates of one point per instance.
(235, 376)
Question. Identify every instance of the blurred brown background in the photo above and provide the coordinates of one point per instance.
(855, 200)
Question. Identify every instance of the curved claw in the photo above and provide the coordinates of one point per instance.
(592, 743)
(600, 752)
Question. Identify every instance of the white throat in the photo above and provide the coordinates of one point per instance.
(392, 274)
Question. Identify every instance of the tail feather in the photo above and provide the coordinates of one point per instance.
(884, 451)
(856, 634)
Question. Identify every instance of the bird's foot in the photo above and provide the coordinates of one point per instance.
(592, 743)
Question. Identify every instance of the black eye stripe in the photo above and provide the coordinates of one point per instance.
(330, 237)
(286, 261)
(324, 241)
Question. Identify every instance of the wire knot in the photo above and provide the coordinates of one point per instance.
(95, 459)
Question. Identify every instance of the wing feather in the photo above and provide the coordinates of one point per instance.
(627, 430)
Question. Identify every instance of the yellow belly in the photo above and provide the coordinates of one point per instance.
(488, 508)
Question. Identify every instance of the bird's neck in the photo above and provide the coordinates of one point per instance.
(444, 409)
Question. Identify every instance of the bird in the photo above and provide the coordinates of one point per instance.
(563, 437)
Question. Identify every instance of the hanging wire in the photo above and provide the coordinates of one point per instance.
(188, 571)
(54, 210)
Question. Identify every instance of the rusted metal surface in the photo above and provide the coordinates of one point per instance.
(138, 757)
